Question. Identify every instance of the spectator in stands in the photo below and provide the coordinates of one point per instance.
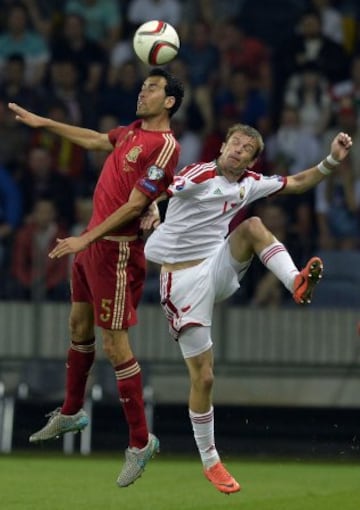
(308, 92)
(36, 275)
(126, 82)
(288, 149)
(192, 105)
(64, 85)
(42, 179)
(103, 19)
(68, 158)
(214, 139)
(10, 218)
(45, 16)
(292, 146)
(309, 45)
(246, 103)
(189, 140)
(201, 58)
(14, 139)
(83, 211)
(331, 20)
(13, 86)
(337, 202)
(348, 90)
(210, 11)
(18, 38)
(121, 53)
(139, 11)
(72, 44)
(336, 211)
(347, 119)
(238, 50)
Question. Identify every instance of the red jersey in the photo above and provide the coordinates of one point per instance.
(141, 159)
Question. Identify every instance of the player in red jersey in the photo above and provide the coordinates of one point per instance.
(109, 269)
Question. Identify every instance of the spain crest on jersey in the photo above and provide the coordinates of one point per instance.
(133, 154)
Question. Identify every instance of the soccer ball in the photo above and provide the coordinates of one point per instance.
(156, 42)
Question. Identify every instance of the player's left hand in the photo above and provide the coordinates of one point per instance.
(67, 246)
(340, 146)
(151, 218)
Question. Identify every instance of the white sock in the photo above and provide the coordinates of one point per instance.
(276, 258)
(203, 428)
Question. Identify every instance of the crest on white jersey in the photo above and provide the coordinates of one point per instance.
(155, 173)
(179, 182)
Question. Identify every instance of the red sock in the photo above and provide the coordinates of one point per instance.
(129, 383)
(79, 361)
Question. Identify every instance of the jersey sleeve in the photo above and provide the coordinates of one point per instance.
(159, 169)
(115, 134)
(192, 179)
(265, 186)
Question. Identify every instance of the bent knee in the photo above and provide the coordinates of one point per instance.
(252, 224)
(253, 228)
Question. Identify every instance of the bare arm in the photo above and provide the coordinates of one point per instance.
(303, 181)
(125, 214)
(151, 218)
(86, 138)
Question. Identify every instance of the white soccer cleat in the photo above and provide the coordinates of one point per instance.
(136, 460)
(58, 424)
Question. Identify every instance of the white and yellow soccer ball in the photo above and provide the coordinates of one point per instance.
(156, 42)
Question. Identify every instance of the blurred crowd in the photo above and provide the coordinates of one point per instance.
(290, 68)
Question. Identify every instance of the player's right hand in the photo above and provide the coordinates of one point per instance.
(26, 117)
(69, 245)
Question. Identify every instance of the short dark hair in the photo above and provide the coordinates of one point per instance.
(173, 87)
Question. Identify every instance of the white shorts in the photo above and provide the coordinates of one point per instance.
(188, 295)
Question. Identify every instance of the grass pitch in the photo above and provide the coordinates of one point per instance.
(57, 482)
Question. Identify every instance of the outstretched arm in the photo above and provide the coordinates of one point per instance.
(303, 181)
(86, 138)
(132, 209)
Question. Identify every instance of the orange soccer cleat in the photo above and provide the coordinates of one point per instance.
(221, 479)
(306, 280)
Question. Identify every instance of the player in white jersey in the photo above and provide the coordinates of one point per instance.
(201, 265)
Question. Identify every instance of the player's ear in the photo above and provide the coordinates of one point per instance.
(222, 147)
(169, 102)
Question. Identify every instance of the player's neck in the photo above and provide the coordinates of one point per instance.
(155, 124)
(224, 173)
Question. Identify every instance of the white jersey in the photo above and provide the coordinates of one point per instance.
(201, 206)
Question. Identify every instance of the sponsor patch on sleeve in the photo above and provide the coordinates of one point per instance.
(148, 185)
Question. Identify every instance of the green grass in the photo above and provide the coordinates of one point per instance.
(56, 482)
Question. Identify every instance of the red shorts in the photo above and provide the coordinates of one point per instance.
(110, 275)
